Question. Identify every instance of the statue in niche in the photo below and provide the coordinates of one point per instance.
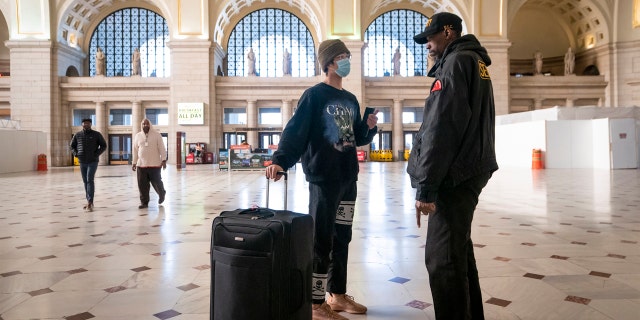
(286, 62)
(99, 62)
(135, 63)
(396, 62)
(251, 63)
(569, 62)
(537, 60)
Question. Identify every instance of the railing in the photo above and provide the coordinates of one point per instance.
(541, 92)
(9, 124)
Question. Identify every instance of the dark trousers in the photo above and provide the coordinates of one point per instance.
(332, 206)
(88, 172)
(449, 252)
(148, 176)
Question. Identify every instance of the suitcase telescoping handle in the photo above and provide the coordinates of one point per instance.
(286, 182)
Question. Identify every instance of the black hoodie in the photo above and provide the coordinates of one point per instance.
(324, 131)
(456, 140)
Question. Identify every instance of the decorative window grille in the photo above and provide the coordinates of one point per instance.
(390, 31)
(123, 31)
(268, 32)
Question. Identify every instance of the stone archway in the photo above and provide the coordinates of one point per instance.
(77, 18)
(72, 72)
(234, 8)
(4, 51)
(538, 24)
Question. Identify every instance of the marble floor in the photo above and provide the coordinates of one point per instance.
(550, 244)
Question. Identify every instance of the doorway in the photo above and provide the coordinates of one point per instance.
(381, 141)
(119, 149)
(269, 138)
(409, 136)
(233, 138)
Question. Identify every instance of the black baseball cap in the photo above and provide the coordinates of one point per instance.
(439, 22)
(86, 120)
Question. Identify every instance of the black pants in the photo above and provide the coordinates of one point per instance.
(148, 176)
(332, 206)
(449, 252)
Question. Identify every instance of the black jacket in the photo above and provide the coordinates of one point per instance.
(456, 140)
(88, 145)
(324, 132)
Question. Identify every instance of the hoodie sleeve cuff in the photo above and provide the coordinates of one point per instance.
(426, 196)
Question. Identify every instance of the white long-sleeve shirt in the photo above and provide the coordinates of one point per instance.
(148, 149)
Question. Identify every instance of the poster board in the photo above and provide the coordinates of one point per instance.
(223, 159)
(241, 157)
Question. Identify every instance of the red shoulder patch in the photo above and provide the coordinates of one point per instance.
(437, 86)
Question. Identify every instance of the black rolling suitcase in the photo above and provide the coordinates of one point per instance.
(261, 264)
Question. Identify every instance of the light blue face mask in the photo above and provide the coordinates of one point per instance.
(344, 67)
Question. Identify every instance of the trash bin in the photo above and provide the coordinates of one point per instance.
(536, 159)
(208, 157)
(42, 162)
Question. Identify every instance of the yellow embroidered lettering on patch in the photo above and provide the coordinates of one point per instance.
(482, 69)
(428, 22)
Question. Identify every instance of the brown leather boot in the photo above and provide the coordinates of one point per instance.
(343, 302)
(324, 312)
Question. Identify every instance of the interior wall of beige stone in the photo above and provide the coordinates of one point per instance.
(41, 97)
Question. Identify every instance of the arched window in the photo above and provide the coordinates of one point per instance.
(271, 34)
(120, 33)
(391, 31)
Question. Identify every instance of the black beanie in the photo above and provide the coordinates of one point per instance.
(330, 49)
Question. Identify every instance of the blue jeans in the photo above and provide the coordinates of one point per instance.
(449, 257)
(88, 171)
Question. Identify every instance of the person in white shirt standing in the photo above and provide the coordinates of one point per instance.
(149, 155)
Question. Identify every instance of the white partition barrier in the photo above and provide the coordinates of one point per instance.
(515, 142)
(20, 150)
(594, 143)
(578, 144)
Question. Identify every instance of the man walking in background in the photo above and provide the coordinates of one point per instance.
(149, 155)
(87, 145)
(452, 160)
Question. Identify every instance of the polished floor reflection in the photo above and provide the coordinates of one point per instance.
(550, 244)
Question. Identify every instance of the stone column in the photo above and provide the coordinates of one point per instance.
(63, 126)
(217, 123)
(354, 82)
(30, 96)
(537, 103)
(216, 120)
(397, 129)
(569, 102)
(61, 134)
(252, 122)
(137, 115)
(285, 112)
(190, 82)
(102, 126)
(499, 72)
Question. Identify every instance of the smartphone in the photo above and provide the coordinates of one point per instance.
(367, 112)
